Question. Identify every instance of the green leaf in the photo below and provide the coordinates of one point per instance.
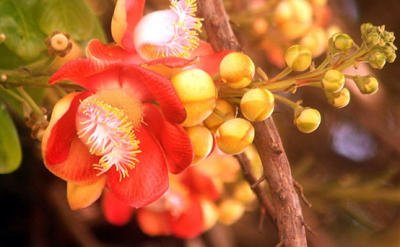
(23, 37)
(72, 16)
(10, 148)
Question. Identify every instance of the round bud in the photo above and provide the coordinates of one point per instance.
(202, 142)
(377, 60)
(223, 111)
(342, 41)
(293, 18)
(230, 211)
(339, 99)
(210, 213)
(366, 84)
(196, 91)
(315, 41)
(298, 58)
(237, 70)
(373, 38)
(243, 192)
(58, 44)
(333, 81)
(235, 135)
(391, 57)
(257, 104)
(307, 119)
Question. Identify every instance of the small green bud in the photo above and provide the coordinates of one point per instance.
(366, 84)
(333, 81)
(307, 119)
(377, 60)
(373, 38)
(298, 58)
(390, 58)
(339, 99)
(365, 29)
(342, 41)
(257, 104)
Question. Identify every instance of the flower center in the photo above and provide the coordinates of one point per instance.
(106, 123)
(186, 29)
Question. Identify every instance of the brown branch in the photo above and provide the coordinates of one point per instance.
(277, 171)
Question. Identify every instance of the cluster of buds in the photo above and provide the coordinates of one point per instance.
(212, 103)
(380, 44)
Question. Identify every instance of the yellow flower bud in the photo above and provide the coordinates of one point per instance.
(340, 42)
(237, 70)
(298, 57)
(196, 90)
(259, 27)
(333, 81)
(257, 104)
(202, 142)
(210, 214)
(243, 193)
(307, 119)
(235, 135)
(223, 111)
(315, 41)
(339, 99)
(230, 211)
(377, 60)
(366, 84)
(293, 18)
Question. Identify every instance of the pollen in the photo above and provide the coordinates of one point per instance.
(186, 28)
(108, 132)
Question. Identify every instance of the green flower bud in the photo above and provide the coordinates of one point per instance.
(373, 38)
(237, 70)
(366, 84)
(307, 119)
(257, 104)
(342, 41)
(365, 29)
(339, 99)
(235, 135)
(333, 81)
(298, 58)
(390, 58)
(377, 60)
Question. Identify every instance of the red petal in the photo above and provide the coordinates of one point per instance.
(200, 183)
(148, 180)
(190, 223)
(115, 211)
(97, 49)
(210, 63)
(203, 49)
(63, 131)
(134, 12)
(133, 77)
(90, 73)
(172, 137)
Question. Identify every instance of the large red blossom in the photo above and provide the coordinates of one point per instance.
(141, 40)
(115, 131)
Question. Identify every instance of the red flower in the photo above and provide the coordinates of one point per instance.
(115, 132)
(160, 34)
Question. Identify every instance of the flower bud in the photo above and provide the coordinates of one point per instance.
(342, 41)
(59, 44)
(307, 119)
(235, 135)
(315, 41)
(223, 111)
(196, 91)
(243, 193)
(210, 214)
(293, 18)
(391, 57)
(230, 211)
(257, 104)
(202, 142)
(366, 84)
(377, 60)
(339, 99)
(298, 57)
(373, 38)
(333, 81)
(237, 70)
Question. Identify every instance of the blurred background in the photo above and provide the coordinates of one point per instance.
(349, 167)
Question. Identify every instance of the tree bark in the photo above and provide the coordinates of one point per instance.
(288, 213)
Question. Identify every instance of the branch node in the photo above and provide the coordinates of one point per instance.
(300, 188)
(258, 182)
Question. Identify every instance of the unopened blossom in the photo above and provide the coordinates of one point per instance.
(113, 135)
